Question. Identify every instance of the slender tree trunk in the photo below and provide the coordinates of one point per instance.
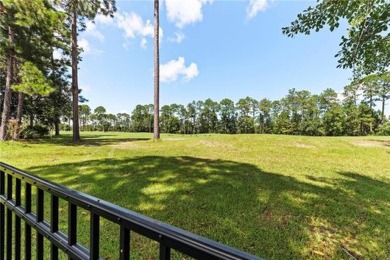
(156, 128)
(8, 90)
(57, 125)
(383, 109)
(19, 115)
(75, 87)
(56, 113)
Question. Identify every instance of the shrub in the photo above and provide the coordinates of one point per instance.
(13, 129)
(34, 132)
(384, 129)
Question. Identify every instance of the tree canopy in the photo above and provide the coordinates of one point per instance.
(33, 81)
(367, 43)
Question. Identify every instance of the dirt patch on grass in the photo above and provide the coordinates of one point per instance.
(369, 143)
(303, 145)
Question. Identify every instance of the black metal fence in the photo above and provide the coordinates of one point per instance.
(16, 184)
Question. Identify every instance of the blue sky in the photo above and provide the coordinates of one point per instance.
(209, 49)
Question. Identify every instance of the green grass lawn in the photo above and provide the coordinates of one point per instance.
(278, 197)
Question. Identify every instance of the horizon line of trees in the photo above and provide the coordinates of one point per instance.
(298, 113)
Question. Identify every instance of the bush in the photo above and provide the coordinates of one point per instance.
(34, 132)
(13, 129)
(384, 129)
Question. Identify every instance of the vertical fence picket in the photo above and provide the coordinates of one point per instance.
(9, 218)
(40, 205)
(165, 252)
(40, 212)
(124, 243)
(94, 236)
(2, 215)
(72, 224)
(18, 186)
(18, 191)
(27, 227)
(54, 225)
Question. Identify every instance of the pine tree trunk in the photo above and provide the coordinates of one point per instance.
(8, 90)
(156, 128)
(75, 87)
(57, 126)
(56, 113)
(19, 115)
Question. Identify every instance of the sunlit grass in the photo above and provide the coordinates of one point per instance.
(276, 197)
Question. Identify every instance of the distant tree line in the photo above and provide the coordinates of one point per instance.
(298, 113)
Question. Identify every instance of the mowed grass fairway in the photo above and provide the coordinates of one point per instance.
(278, 197)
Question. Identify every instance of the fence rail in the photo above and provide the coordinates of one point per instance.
(13, 211)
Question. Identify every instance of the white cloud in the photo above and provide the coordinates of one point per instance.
(92, 27)
(185, 12)
(104, 19)
(191, 71)
(179, 37)
(84, 44)
(171, 70)
(93, 31)
(133, 26)
(256, 6)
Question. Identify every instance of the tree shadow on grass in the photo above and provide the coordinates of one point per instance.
(266, 214)
(89, 140)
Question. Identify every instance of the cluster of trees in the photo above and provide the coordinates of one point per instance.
(32, 79)
(298, 113)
